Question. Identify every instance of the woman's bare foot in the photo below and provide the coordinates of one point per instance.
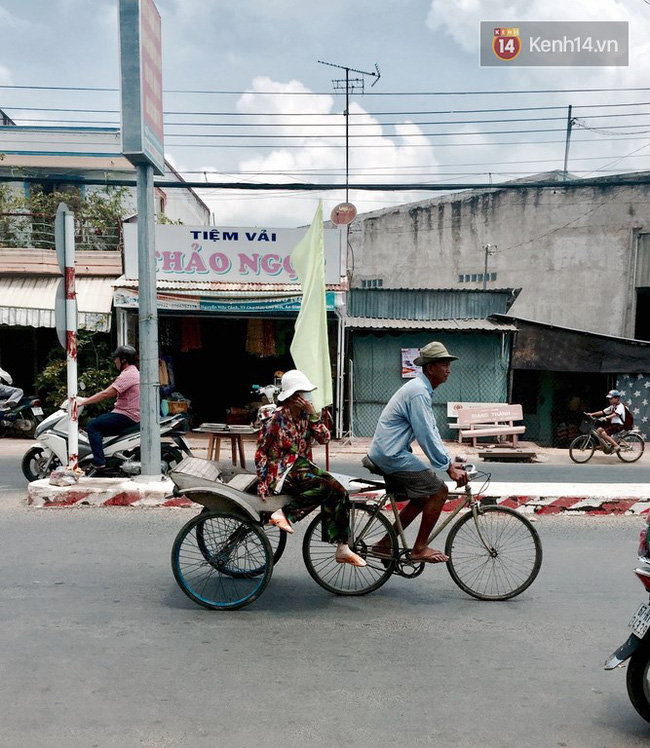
(278, 518)
(346, 556)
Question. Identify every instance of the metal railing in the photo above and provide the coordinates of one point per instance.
(36, 231)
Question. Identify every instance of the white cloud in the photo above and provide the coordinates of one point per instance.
(317, 140)
(11, 21)
(461, 19)
(5, 76)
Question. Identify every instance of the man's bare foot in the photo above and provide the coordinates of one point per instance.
(429, 556)
(382, 549)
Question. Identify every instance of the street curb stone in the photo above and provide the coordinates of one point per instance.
(115, 492)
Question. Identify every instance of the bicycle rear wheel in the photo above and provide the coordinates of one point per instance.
(632, 446)
(276, 537)
(509, 563)
(222, 561)
(582, 448)
(367, 529)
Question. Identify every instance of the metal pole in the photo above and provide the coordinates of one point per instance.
(487, 247)
(490, 249)
(569, 125)
(347, 136)
(71, 338)
(148, 326)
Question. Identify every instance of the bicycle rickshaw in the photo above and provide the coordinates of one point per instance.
(223, 557)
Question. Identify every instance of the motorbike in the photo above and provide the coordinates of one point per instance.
(266, 399)
(122, 451)
(636, 647)
(22, 418)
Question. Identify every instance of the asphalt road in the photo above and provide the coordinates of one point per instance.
(101, 649)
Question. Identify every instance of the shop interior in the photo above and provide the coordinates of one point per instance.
(213, 362)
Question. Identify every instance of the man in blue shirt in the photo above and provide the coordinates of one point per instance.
(408, 417)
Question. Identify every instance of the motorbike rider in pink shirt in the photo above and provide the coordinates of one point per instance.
(126, 413)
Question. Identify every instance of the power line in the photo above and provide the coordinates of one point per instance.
(496, 110)
(637, 179)
(497, 92)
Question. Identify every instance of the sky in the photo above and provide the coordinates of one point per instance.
(247, 100)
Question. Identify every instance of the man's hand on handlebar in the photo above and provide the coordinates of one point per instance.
(458, 474)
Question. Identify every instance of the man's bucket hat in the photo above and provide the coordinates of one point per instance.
(432, 353)
(613, 393)
(294, 381)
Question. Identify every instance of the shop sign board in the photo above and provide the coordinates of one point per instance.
(141, 83)
(127, 298)
(228, 254)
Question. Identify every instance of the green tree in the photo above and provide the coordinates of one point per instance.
(95, 367)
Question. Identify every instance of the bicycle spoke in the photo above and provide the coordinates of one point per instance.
(221, 561)
(368, 527)
(498, 563)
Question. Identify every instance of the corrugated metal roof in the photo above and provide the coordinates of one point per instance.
(428, 304)
(29, 302)
(510, 319)
(372, 323)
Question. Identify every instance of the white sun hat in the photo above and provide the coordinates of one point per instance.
(294, 381)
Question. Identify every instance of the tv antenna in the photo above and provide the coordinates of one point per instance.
(350, 85)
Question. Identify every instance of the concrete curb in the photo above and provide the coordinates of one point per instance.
(104, 492)
(552, 499)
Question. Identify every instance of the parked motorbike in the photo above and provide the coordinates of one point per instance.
(122, 451)
(266, 399)
(22, 418)
(636, 648)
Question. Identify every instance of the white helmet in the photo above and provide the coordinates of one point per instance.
(294, 381)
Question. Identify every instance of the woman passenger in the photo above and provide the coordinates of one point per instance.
(283, 466)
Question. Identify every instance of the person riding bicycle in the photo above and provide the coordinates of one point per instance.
(126, 413)
(615, 414)
(408, 417)
(283, 465)
(9, 395)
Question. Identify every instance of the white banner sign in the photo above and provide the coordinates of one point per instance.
(234, 255)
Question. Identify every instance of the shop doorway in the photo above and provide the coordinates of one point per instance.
(213, 362)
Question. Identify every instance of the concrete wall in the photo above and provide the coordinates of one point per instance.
(571, 250)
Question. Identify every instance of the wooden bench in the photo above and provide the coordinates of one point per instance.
(454, 408)
(492, 420)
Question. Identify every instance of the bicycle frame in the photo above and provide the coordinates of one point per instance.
(468, 501)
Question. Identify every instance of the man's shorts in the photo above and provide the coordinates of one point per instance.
(418, 484)
(613, 428)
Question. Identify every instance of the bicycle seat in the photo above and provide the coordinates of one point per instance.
(373, 468)
(370, 465)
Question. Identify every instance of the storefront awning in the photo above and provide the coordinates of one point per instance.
(374, 323)
(220, 298)
(30, 302)
(540, 346)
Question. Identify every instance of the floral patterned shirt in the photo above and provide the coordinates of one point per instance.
(279, 444)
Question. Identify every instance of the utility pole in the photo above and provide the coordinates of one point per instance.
(569, 126)
(350, 85)
(490, 249)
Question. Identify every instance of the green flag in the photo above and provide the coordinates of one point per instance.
(310, 348)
